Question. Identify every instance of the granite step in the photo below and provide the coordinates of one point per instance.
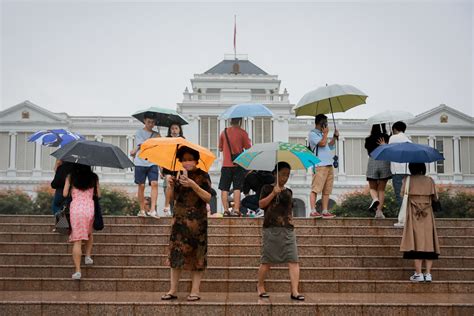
(223, 272)
(152, 260)
(241, 229)
(233, 285)
(350, 221)
(236, 239)
(221, 249)
(234, 304)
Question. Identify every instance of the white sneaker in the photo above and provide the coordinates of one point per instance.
(141, 213)
(76, 276)
(417, 277)
(260, 213)
(399, 225)
(373, 206)
(153, 214)
(88, 260)
(379, 215)
(428, 277)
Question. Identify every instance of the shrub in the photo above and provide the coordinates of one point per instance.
(117, 202)
(15, 202)
(43, 200)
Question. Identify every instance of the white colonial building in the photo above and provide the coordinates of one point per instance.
(231, 81)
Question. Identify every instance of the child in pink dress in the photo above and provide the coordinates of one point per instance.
(82, 183)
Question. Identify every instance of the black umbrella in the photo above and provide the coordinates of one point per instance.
(93, 153)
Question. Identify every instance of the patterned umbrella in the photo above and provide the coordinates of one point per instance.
(54, 137)
(265, 156)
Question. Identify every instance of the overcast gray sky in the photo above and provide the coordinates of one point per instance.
(114, 58)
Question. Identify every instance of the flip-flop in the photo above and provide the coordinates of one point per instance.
(298, 297)
(168, 297)
(192, 298)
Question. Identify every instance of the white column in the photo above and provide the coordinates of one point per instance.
(129, 148)
(12, 164)
(98, 138)
(250, 128)
(37, 167)
(340, 146)
(431, 143)
(220, 158)
(457, 164)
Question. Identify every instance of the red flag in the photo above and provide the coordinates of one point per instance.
(235, 37)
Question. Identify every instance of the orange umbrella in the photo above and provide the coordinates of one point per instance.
(162, 151)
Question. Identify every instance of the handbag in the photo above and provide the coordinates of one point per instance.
(403, 209)
(436, 204)
(63, 221)
(98, 219)
(232, 156)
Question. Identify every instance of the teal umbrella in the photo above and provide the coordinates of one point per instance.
(163, 117)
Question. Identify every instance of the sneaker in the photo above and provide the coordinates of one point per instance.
(417, 277)
(88, 260)
(379, 215)
(141, 213)
(315, 214)
(428, 277)
(327, 215)
(76, 276)
(373, 206)
(251, 213)
(399, 225)
(153, 214)
(260, 213)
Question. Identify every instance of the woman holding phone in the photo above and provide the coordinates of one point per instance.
(191, 191)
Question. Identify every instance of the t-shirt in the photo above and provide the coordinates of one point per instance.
(324, 153)
(238, 139)
(140, 137)
(279, 213)
(396, 167)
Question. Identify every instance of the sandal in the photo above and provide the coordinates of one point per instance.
(168, 297)
(193, 297)
(298, 297)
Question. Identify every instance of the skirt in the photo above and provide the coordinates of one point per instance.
(279, 245)
(378, 170)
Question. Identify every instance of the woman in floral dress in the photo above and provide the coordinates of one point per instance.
(188, 240)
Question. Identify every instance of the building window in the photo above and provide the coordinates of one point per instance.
(262, 130)
(208, 133)
(440, 147)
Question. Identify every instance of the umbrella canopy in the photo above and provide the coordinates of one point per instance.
(265, 156)
(93, 153)
(54, 137)
(389, 117)
(162, 151)
(329, 99)
(246, 110)
(406, 153)
(164, 117)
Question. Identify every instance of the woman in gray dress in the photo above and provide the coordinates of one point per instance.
(279, 239)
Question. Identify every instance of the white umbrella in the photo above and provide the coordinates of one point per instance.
(389, 117)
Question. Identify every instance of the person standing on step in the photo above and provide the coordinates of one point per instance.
(81, 185)
(61, 171)
(323, 174)
(145, 169)
(378, 171)
(420, 238)
(232, 141)
(188, 240)
(175, 130)
(278, 236)
(255, 180)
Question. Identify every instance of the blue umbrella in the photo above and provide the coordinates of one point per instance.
(54, 137)
(246, 110)
(406, 153)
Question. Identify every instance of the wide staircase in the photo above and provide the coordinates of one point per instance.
(349, 266)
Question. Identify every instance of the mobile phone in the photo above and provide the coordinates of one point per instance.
(184, 172)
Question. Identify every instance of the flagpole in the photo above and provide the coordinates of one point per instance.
(235, 36)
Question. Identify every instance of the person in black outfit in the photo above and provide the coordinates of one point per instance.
(61, 169)
(378, 171)
(255, 180)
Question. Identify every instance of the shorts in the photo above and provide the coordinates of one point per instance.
(232, 176)
(142, 173)
(378, 170)
(323, 180)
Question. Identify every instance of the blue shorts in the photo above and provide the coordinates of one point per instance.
(141, 173)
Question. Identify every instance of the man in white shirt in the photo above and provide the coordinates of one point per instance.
(399, 170)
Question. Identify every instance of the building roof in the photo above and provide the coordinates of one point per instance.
(246, 67)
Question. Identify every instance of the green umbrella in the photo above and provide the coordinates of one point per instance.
(329, 99)
(164, 117)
